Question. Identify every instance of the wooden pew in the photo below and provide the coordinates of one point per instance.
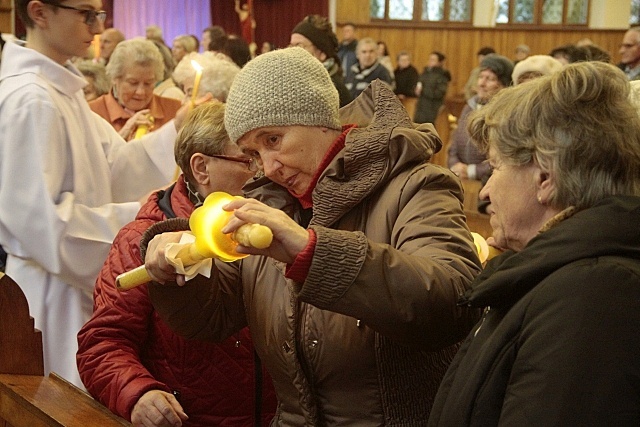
(27, 397)
(20, 342)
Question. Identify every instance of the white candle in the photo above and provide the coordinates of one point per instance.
(196, 83)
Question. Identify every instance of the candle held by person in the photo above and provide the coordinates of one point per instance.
(205, 224)
(196, 83)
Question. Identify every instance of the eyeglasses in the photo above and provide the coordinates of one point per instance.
(90, 16)
(250, 162)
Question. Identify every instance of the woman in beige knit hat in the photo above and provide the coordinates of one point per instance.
(352, 308)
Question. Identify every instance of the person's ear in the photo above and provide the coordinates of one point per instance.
(37, 11)
(546, 186)
(199, 164)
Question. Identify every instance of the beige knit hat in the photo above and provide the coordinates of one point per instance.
(284, 87)
(543, 64)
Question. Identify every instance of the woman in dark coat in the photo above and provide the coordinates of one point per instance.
(431, 89)
(558, 343)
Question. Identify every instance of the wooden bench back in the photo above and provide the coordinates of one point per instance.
(20, 342)
(27, 397)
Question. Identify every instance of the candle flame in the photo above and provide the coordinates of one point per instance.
(195, 65)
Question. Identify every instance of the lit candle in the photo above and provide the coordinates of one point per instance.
(96, 47)
(196, 83)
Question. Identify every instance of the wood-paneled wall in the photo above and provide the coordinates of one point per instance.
(461, 44)
(5, 16)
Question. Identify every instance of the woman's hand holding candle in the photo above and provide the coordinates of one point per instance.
(206, 224)
(289, 238)
(139, 118)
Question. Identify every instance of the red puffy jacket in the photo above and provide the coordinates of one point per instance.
(125, 350)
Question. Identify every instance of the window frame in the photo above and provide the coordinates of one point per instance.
(537, 17)
(634, 20)
(417, 20)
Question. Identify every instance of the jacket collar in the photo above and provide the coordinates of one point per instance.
(116, 111)
(612, 231)
(384, 144)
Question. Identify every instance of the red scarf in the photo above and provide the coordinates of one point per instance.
(298, 270)
(305, 199)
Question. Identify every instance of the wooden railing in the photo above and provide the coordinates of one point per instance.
(27, 397)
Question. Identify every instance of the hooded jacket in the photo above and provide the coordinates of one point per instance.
(558, 344)
(126, 350)
(367, 337)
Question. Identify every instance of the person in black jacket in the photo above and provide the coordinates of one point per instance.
(347, 48)
(406, 76)
(431, 89)
(315, 35)
(558, 342)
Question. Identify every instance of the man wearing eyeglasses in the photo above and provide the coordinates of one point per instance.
(69, 181)
(630, 53)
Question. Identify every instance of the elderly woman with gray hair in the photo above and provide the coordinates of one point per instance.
(135, 67)
(558, 342)
(96, 76)
(218, 72)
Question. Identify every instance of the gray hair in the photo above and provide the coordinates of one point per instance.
(95, 70)
(187, 41)
(136, 51)
(203, 132)
(577, 124)
(218, 72)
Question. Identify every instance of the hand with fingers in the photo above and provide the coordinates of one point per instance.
(289, 238)
(140, 118)
(156, 264)
(157, 408)
(460, 169)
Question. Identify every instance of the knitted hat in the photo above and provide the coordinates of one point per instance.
(326, 42)
(543, 64)
(285, 87)
(501, 66)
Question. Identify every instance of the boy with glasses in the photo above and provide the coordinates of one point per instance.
(69, 182)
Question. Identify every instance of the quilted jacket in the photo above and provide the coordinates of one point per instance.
(367, 337)
(126, 350)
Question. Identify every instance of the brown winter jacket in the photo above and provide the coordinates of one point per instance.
(366, 339)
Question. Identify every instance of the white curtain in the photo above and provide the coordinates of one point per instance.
(175, 17)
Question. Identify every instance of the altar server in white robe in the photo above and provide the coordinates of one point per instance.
(68, 181)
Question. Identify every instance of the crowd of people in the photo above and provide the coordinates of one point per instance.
(371, 305)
